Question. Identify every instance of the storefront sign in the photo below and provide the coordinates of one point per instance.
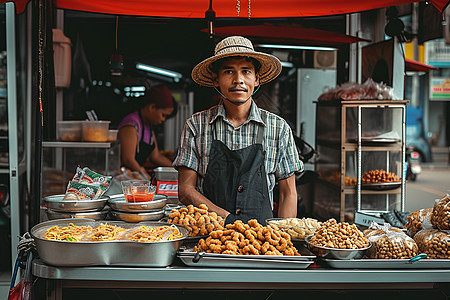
(440, 88)
(438, 53)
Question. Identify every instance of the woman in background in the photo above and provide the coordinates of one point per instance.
(138, 143)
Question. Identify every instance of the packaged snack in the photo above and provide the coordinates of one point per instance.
(88, 180)
(80, 191)
(416, 219)
(440, 216)
(93, 177)
(433, 242)
(390, 243)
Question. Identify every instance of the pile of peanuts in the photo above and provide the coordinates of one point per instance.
(440, 217)
(247, 239)
(197, 219)
(339, 235)
(391, 243)
(435, 243)
(379, 176)
(415, 221)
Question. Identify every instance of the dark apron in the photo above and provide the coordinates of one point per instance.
(236, 180)
(144, 149)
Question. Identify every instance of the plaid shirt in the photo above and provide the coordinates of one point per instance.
(281, 157)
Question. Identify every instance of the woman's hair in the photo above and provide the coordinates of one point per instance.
(159, 95)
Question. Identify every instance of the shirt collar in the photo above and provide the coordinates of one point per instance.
(255, 114)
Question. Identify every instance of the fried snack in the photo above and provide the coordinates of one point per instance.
(339, 235)
(440, 217)
(415, 221)
(197, 219)
(248, 239)
(296, 228)
(379, 176)
(390, 243)
(433, 242)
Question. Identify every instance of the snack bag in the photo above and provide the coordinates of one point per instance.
(93, 177)
(390, 242)
(440, 217)
(433, 242)
(80, 191)
(416, 220)
(88, 177)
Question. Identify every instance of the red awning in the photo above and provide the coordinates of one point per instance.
(227, 8)
(415, 66)
(288, 33)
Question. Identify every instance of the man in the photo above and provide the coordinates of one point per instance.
(231, 155)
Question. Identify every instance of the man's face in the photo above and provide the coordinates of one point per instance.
(236, 80)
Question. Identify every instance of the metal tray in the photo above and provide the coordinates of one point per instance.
(129, 217)
(366, 263)
(306, 255)
(166, 174)
(381, 186)
(94, 215)
(118, 202)
(57, 203)
(202, 259)
(120, 253)
(253, 263)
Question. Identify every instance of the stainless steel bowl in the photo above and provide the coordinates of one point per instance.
(129, 217)
(118, 202)
(120, 253)
(94, 215)
(336, 253)
(57, 203)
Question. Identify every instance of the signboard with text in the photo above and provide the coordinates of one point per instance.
(440, 88)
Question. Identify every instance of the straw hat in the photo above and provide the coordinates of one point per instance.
(236, 46)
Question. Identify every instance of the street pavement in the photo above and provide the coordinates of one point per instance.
(433, 183)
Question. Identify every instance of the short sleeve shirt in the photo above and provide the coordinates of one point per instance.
(281, 157)
(144, 131)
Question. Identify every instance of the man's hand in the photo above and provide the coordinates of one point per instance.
(287, 207)
(188, 194)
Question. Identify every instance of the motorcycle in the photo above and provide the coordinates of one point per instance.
(413, 164)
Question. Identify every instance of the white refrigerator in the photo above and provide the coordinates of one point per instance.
(311, 83)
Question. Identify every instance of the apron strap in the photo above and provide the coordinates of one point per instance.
(260, 134)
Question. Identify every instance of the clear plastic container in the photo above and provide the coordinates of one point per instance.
(69, 131)
(95, 131)
(112, 135)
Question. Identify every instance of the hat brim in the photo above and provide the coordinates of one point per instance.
(269, 70)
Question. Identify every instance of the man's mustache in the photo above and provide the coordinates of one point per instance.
(238, 87)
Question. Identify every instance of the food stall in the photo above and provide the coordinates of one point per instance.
(61, 280)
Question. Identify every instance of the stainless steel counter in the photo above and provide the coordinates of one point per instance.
(59, 278)
(57, 144)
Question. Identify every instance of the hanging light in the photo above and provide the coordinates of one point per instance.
(116, 61)
(210, 16)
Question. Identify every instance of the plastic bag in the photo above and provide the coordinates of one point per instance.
(22, 291)
(440, 217)
(416, 219)
(390, 243)
(354, 91)
(433, 242)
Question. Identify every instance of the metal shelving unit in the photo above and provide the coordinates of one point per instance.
(353, 137)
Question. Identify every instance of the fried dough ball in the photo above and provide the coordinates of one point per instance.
(197, 219)
(248, 239)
